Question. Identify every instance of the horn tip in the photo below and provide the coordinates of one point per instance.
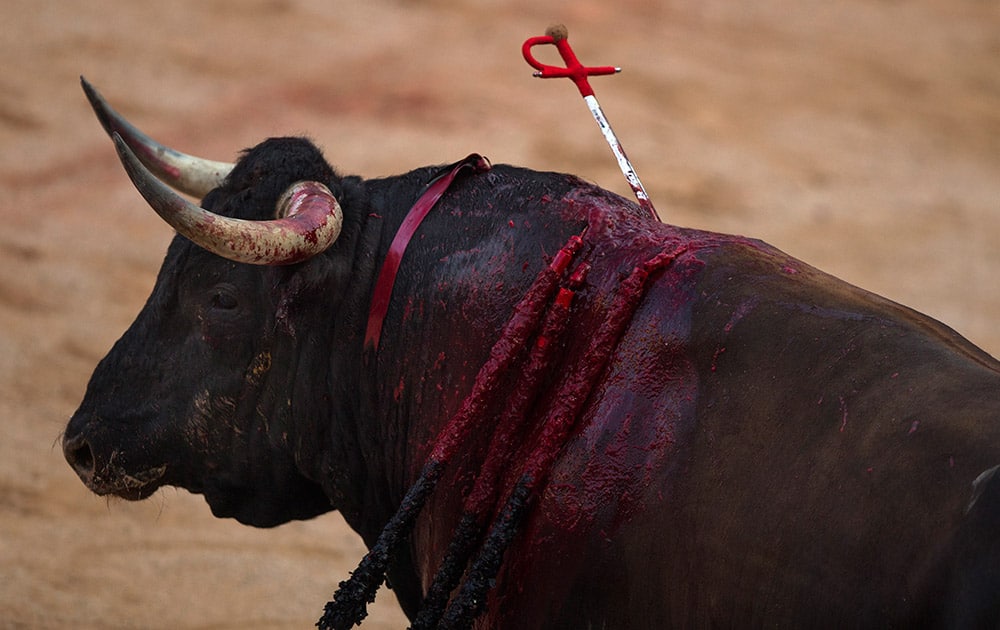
(98, 104)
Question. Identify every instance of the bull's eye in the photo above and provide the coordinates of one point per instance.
(223, 299)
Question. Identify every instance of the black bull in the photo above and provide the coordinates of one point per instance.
(763, 444)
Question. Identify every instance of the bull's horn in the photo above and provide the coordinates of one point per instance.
(186, 173)
(309, 219)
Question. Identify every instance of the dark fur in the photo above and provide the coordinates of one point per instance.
(767, 447)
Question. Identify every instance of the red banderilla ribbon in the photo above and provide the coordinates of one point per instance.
(578, 72)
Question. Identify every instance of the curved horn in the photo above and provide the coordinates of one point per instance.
(310, 219)
(186, 173)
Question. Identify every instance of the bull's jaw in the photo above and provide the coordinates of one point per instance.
(240, 503)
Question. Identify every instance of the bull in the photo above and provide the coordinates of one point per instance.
(541, 408)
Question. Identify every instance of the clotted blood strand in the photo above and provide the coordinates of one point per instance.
(349, 604)
(514, 338)
(481, 501)
(567, 404)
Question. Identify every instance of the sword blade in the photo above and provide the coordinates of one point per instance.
(623, 162)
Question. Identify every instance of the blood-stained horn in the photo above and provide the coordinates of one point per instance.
(309, 219)
(186, 173)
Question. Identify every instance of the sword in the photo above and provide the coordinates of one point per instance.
(578, 72)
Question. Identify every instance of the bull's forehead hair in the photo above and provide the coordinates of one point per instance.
(264, 172)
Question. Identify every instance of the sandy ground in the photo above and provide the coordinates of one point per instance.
(860, 136)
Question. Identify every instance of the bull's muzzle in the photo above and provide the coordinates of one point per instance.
(108, 474)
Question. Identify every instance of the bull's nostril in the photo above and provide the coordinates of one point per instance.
(80, 457)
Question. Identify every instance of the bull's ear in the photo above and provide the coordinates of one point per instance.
(334, 279)
(303, 286)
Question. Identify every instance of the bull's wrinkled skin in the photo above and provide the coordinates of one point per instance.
(769, 446)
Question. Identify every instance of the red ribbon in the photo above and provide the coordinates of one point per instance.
(387, 275)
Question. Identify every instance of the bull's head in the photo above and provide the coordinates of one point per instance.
(192, 395)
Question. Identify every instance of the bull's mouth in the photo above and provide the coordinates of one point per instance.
(133, 486)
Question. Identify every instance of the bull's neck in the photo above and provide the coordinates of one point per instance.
(463, 272)
(362, 463)
(403, 336)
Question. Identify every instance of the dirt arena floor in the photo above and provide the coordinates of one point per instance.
(862, 136)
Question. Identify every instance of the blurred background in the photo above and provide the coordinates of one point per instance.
(861, 136)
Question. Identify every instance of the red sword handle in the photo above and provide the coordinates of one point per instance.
(574, 69)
